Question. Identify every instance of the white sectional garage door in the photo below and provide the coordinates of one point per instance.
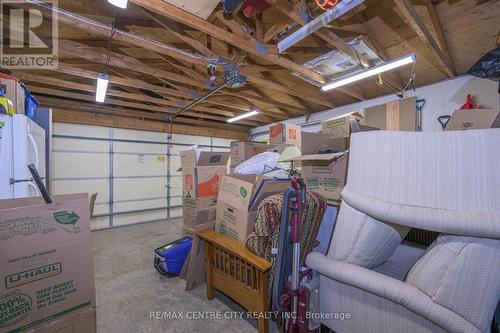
(133, 172)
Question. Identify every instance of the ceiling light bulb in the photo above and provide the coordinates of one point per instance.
(370, 72)
(102, 87)
(119, 3)
(243, 116)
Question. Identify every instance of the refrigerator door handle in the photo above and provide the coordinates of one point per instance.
(35, 148)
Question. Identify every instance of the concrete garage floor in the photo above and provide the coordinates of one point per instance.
(128, 287)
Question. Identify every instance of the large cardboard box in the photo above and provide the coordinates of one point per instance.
(238, 200)
(198, 211)
(13, 90)
(243, 150)
(474, 119)
(201, 172)
(80, 321)
(46, 266)
(398, 115)
(341, 126)
(313, 143)
(325, 174)
(285, 133)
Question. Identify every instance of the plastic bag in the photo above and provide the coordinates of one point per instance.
(260, 164)
(488, 67)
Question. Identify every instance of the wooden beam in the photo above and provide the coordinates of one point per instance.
(249, 45)
(411, 17)
(50, 101)
(161, 48)
(436, 23)
(259, 28)
(103, 119)
(132, 82)
(90, 26)
(294, 12)
(276, 29)
(174, 29)
(121, 61)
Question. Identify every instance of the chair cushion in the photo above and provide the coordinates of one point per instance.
(461, 274)
(361, 240)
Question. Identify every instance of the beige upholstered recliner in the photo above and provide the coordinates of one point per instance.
(448, 182)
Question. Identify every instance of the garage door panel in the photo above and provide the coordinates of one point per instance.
(175, 164)
(83, 186)
(77, 165)
(98, 223)
(121, 220)
(80, 130)
(222, 142)
(190, 139)
(175, 212)
(139, 170)
(139, 148)
(80, 145)
(177, 201)
(101, 208)
(125, 134)
(142, 188)
(136, 205)
(139, 165)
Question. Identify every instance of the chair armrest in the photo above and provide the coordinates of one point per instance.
(392, 289)
(235, 248)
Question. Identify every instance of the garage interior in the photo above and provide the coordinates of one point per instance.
(250, 165)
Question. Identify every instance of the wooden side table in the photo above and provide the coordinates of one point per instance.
(238, 273)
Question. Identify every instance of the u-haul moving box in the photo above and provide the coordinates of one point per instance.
(46, 266)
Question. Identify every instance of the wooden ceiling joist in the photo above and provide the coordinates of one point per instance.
(410, 15)
(260, 50)
(117, 120)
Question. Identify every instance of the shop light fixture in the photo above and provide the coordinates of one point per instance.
(243, 116)
(348, 79)
(119, 3)
(102, 87)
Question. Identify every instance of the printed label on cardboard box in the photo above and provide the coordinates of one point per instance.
(46, 267)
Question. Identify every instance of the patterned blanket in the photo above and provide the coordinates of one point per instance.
(265, 238)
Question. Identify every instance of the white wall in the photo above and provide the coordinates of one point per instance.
(130, 167)
(441, 99)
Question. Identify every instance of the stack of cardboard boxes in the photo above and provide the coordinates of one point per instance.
(201, 175)
(46, 266)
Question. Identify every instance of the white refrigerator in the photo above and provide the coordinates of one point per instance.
(22, 142)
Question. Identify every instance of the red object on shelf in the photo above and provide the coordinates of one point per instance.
(469, 104)
(327, 4)
(255, 6)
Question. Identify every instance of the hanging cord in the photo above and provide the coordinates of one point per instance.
(110, 41)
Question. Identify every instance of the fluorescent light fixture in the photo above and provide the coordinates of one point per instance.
(243, 116)
(119, 3)
(318, 23)
(102, 87)
(370, 72)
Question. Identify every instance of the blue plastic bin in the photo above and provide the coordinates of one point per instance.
(170, 258)
(30, 104)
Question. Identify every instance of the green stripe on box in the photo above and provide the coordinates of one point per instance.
(54, 316)
(334, 200)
